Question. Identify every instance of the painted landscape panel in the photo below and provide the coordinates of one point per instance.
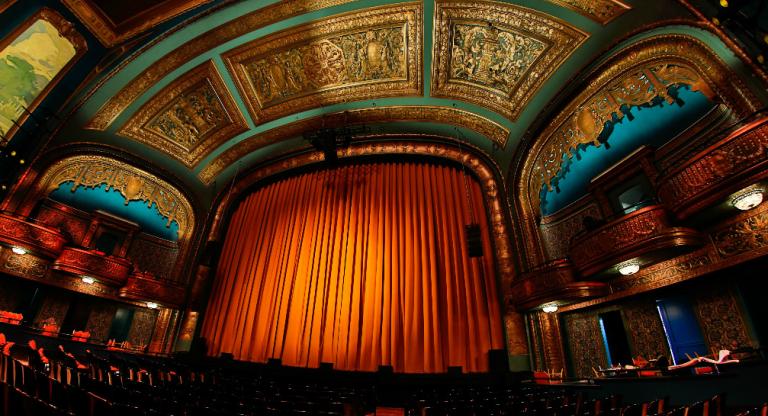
(27, 65)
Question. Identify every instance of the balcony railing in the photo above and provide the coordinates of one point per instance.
(645, 232)
(145, 287)
(20, 232)
(738, 159)
(109, 270)
(553, 282)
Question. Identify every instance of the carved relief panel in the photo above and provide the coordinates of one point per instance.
(497, 55)
(368, 54)
(601, 11)
(189, 117)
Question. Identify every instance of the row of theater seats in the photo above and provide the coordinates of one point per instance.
(105, 383)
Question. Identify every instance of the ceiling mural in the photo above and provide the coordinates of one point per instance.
(188, 118)
(447, 115)
(497, 55)
(370, 54)
(602, 11)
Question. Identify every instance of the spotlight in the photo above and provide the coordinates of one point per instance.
(152, 305)
(18, 250)
(551, 308)
(747, 198)
(89, 280)
(629, 268)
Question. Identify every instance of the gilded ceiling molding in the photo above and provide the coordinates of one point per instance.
(188, 118)
(601, 11)
(66, 30)
(483, 168)
(173, 60)
(372, 53)
(448, 115)
(636, 76)
(132, 183)
(497, 55)
(111, 33)
(6, 4)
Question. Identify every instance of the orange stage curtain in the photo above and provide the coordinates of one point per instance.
(359, 266)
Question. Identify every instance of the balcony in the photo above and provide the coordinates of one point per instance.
(645, 234)
(20, 232)
(145, 287)
(109, 270)
(553, 282)
(737, 160)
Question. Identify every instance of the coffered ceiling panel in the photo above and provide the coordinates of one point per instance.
(188, 118)
(368, 54)
(497, 55)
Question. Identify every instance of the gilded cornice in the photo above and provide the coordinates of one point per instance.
(601, 11)
(448, 115)
(188, 118)
(497, 55)
(635, 76)
(373, 53)
(199, 45)
(110, 34)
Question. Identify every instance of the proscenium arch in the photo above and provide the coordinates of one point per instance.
(715, 79)
(486, 171)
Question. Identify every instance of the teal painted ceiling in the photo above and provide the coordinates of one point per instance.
(123, 66)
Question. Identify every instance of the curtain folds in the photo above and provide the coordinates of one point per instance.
(359, 266)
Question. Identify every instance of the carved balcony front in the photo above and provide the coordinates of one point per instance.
(739, 159)
(145, 287)
(21, 232)
(553, 282)
(109, 270)
(644, 234)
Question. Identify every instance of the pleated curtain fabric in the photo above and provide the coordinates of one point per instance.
(360, 266)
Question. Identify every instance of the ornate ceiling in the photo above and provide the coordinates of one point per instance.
(222, 86)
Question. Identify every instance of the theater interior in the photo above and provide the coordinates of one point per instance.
(384, 207)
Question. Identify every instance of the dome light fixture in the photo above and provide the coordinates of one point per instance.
(550, 308)
(628, 268)
(18, 250)
(747, 198)
(88, 280)
(152, 305)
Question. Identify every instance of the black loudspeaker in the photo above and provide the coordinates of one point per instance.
(326, 367)
(498, 361)
(226, 356)
(474, 240)
(455, 370)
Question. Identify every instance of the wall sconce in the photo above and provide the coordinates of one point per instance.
(152, 305)
(747, 198)
(18, 250)
(628, 268)
(88, 280)
(551, 308)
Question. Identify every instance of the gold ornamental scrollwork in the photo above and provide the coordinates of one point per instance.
(188, 118)
(371, 53)
(601, 11)
(209, 40)
(448, 115)
(635, 76)
(132, 183)
(497, 55)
